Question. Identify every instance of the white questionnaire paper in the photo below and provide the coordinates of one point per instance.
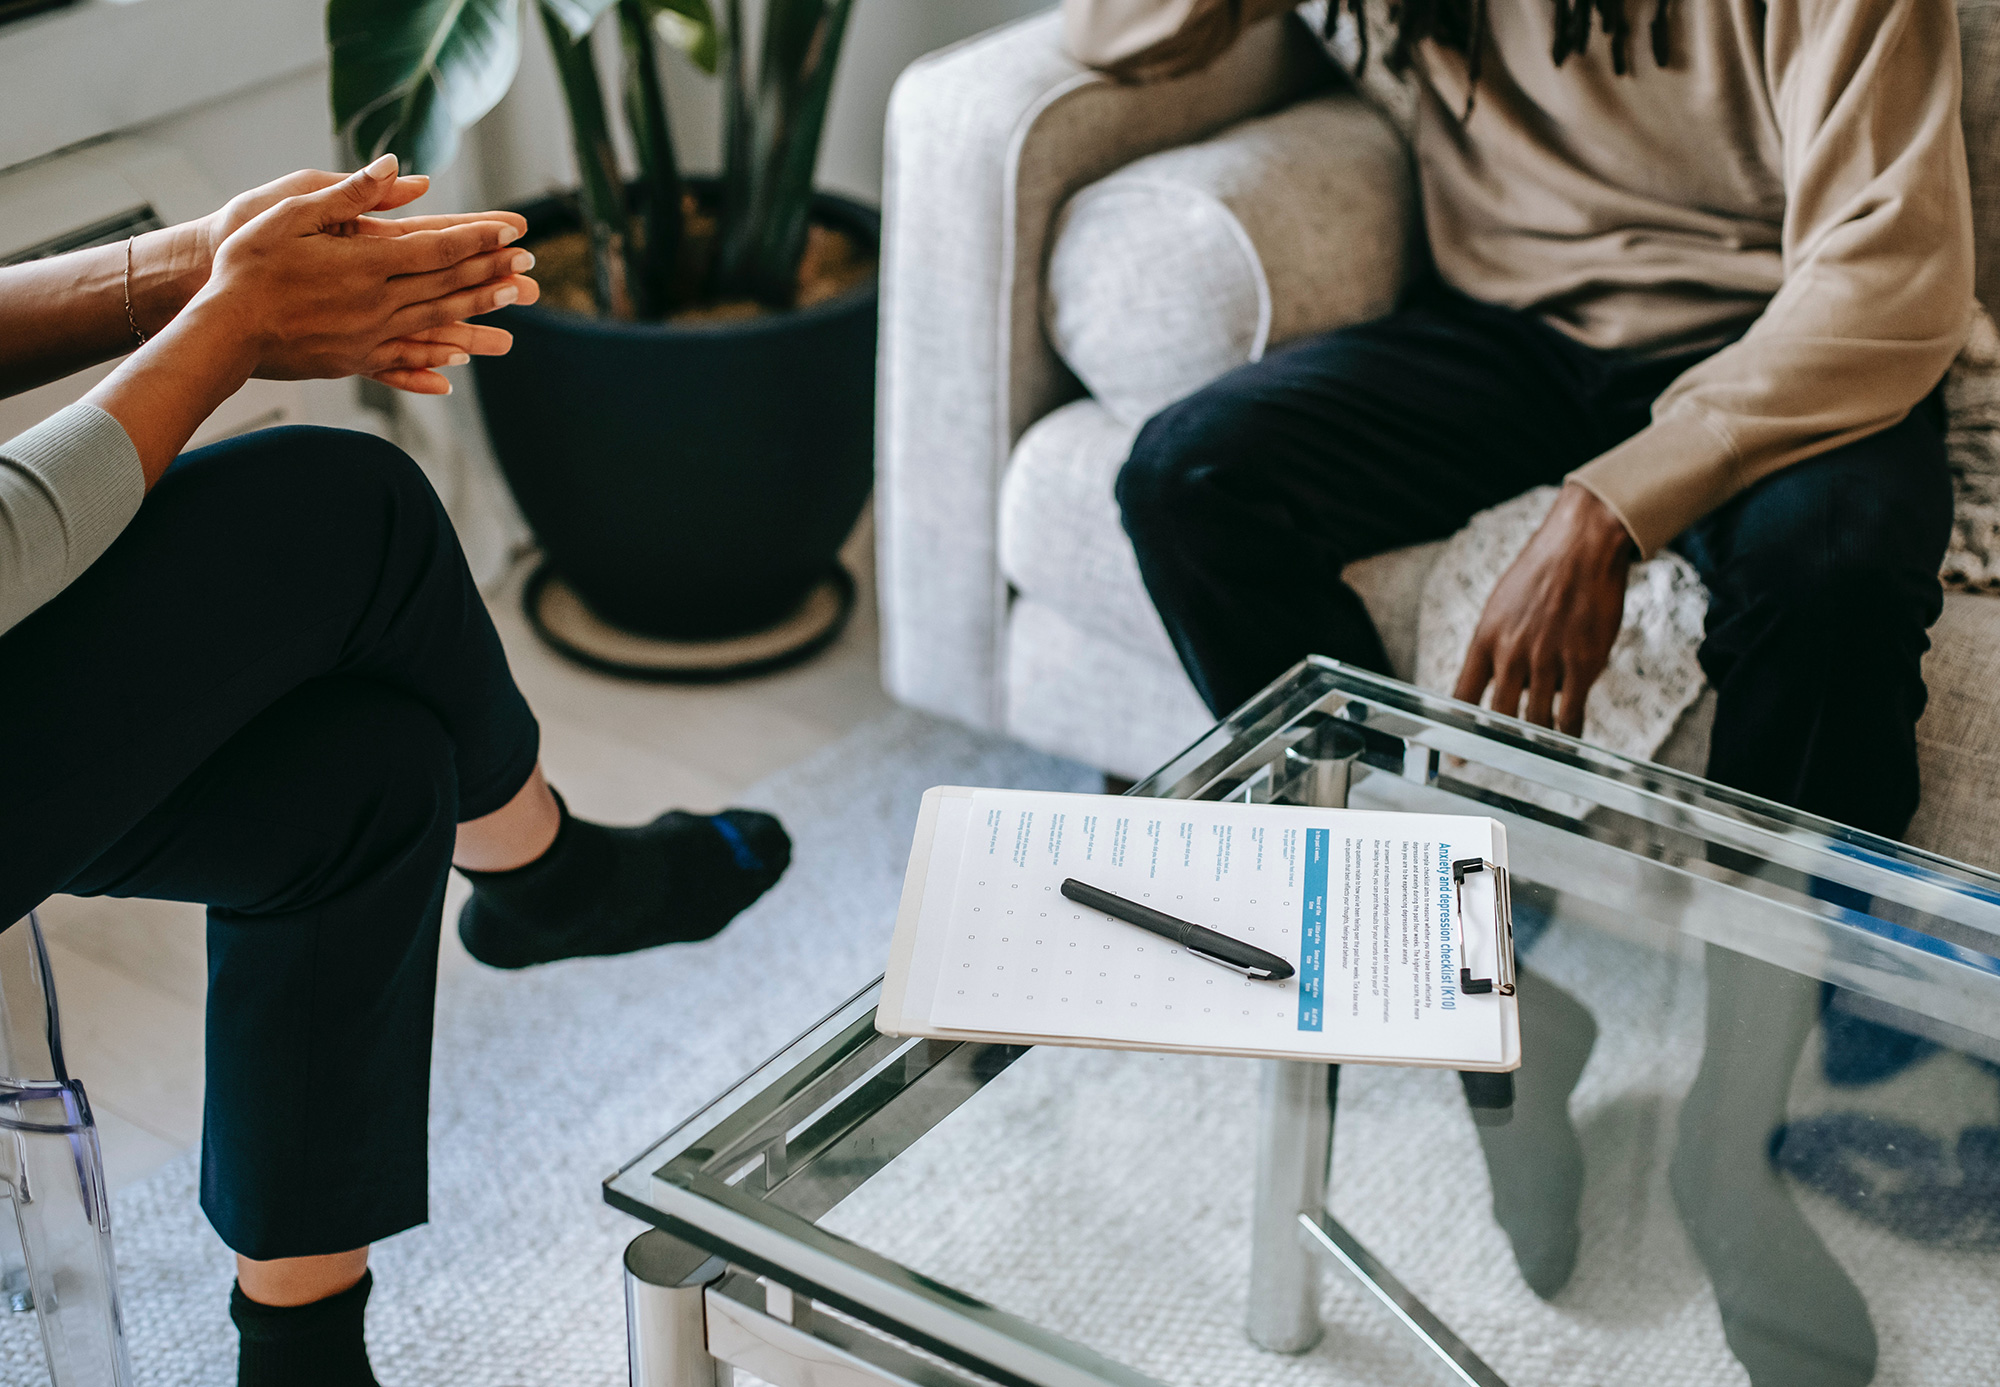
(1360, 903)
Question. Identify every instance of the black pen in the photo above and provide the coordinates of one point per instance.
(1246, 959)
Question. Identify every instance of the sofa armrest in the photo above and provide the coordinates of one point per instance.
(986, 141)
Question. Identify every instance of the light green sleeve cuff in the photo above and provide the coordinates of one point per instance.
(67, 487)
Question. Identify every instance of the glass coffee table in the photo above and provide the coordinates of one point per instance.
(1756, 1135)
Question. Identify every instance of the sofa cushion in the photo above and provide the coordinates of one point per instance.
(1958, 741)
(1060, 538)
(1071, 692)
(1185, 264)
(1061, 542)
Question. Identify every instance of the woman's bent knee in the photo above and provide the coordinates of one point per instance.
(359, 785)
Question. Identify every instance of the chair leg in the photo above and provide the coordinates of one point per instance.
(54, 1173)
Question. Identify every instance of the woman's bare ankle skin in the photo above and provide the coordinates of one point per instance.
(513, 835)
(288, 1281)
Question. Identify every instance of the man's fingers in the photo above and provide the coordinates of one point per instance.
(1580, 674)
(1509, 674)
(466, 274)
(1543, 673)
(426, 252)
(403, 226)
(1477, 671)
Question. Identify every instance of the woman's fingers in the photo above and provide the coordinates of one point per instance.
(475, 339)
(359, 192)
(403, 226)
(406, 189)
(410, 354)
(426, 252)
(466, 303)
(415, 382)
(479, 269)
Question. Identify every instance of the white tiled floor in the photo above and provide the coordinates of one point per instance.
(131, 974)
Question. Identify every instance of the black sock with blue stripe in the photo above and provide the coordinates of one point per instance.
(604, 890)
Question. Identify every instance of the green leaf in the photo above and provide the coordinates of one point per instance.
(688, 25)
(407, 76)
(579, 17)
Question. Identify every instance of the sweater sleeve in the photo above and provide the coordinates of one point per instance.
(1878, 272)
(67, 487)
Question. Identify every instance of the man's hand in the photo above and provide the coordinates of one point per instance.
(1548, 627)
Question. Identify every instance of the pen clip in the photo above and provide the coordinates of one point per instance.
(1260, 974)
(1503, 928)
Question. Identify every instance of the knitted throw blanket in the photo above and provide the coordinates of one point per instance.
(1653, 677)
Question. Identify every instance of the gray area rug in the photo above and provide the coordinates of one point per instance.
(1112, 1194)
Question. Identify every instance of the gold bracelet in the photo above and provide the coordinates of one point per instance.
(130, 317)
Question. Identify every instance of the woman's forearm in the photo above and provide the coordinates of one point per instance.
(172, 384)
(67, 312)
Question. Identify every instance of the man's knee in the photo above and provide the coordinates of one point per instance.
(1182, 457)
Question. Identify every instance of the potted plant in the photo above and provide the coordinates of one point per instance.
(687, 418)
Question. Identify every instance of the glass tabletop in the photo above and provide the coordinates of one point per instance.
(1755, 1136)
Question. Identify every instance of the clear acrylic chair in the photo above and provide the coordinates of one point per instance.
(56, 1257)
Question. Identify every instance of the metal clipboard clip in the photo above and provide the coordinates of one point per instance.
(1503, 927)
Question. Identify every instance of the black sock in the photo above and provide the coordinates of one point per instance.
(316, 1345)
(601, 890)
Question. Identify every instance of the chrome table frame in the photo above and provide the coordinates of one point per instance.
(737, 1274)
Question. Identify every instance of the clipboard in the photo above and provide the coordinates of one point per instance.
(1485, 972)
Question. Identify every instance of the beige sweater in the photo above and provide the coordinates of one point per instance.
(1798, 171)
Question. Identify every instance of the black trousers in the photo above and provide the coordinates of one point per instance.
(1245, 500)
(277, 694)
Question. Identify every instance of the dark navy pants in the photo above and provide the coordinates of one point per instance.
(276, 694)
(1245, 500)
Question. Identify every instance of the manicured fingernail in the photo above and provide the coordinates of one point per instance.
(523, 262)
(506, 296)
(457, 359)
(447, 387)
(382, 167)
(508, 235)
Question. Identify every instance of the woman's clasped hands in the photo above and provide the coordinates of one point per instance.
(306, 283)
(299, 279)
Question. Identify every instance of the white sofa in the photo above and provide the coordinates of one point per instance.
(1010, 596)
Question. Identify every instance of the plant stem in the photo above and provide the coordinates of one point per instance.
(660, 221)
(783, 242)
(734, 213)
(600, 190)
(764, 233)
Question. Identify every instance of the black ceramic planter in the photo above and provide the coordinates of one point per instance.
(689, 483)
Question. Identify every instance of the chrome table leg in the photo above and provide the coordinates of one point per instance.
(666, 1316)
(1294, 1147)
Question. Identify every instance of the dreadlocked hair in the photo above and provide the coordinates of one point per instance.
(1461, 25)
